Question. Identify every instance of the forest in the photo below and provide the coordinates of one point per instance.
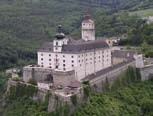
(25, 24)
(128, 96)
(134, 100)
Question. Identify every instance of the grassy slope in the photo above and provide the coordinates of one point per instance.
(143, 13)
(24, 25)
(126, 101)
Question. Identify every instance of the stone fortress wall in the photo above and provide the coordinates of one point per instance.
(146, 72)
(37, 74)
(98, 80)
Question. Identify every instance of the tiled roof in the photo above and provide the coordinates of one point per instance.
(74, 46)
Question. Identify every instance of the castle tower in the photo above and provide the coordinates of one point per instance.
(88, 29)
(59, 40)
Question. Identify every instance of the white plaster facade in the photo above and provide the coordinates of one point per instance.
(84, 63)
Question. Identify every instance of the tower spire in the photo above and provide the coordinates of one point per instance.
(87, 16)
(60, 34)
(88, 27)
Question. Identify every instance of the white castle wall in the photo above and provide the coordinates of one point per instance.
(83, 63)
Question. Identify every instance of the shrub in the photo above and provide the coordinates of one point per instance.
(74, 100)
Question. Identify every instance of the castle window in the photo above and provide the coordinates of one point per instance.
(79, 60)
(56, 55)
(63, 60)
(80, 65)
(72, 61)
(64, 69)
(42, 66)
(41, 58)
(42, 63)
(56, 67)
(56, 48)
(63, 55)
(72, 56)
(41, 54)
(50, 64)
(49, 59)
(63, 64)
(72, 65)
(50, 67)
(56, 43)
(49, 54)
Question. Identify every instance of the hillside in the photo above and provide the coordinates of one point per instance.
(24, 24)
(143, 13)
(134, 100)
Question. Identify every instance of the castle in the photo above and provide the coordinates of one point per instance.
(66, 61)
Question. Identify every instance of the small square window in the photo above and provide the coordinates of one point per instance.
(63, 60)
(49, 54)
(41, 58)
(49, 59)
(41, 54)
(72, 65)
(72, 61)
(72, 56)
(56, 67)
(63, 64)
